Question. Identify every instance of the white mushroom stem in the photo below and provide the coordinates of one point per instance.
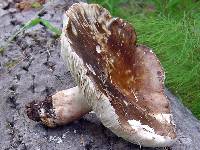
(69, 105)
(61, 108)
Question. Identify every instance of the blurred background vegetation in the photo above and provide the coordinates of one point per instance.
(172, 29)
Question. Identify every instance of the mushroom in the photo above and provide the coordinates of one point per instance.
(121, 81)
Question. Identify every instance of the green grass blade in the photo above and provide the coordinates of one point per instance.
(50, 27)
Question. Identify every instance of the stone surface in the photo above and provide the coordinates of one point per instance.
(32, 68)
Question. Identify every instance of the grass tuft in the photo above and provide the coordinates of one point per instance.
(36, 5)
(2, 50)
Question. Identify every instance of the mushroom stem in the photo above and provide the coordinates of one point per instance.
(61, 108)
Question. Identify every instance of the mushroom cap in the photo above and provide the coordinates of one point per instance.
(123, 82)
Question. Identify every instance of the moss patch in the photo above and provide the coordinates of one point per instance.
(11, 63)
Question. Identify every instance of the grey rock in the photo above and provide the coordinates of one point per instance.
(3, 4)
(3, 12)
(38, 71)
(188, 127)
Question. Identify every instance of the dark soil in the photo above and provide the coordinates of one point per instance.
(31, 69)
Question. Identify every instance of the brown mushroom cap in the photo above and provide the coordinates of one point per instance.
(129, 75)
